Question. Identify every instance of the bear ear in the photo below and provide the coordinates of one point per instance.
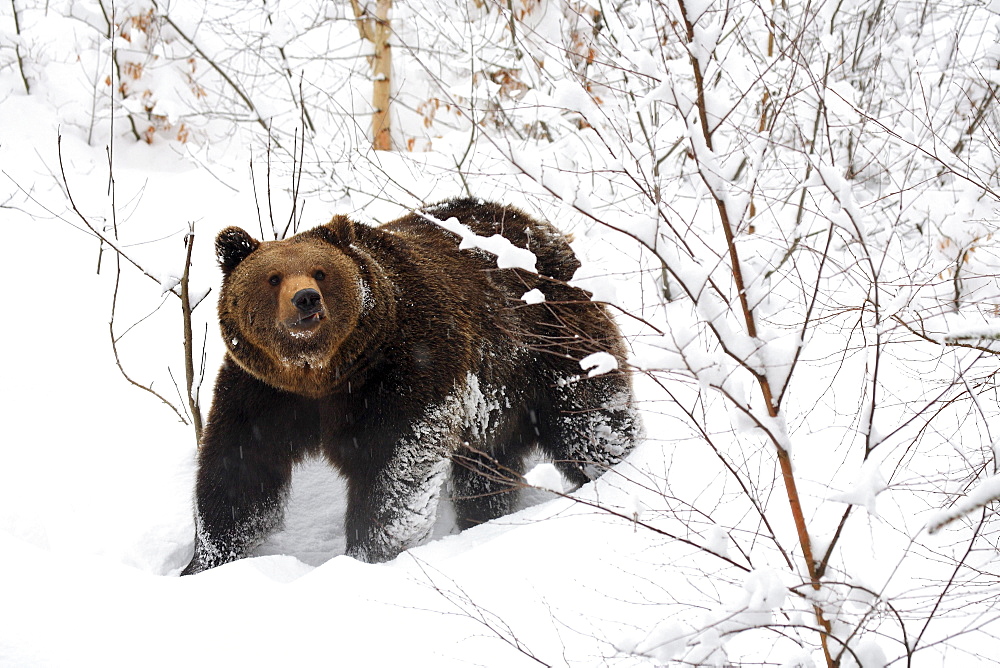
(232, 246)
(338, 232)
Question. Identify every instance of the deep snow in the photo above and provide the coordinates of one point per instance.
(97, 478)
(647, 566)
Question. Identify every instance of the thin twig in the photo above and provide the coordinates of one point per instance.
(17, 48)
(222, 73)
(114, 347)
(93, 230)
(186, 308)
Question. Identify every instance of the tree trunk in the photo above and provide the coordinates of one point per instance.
(377, 30)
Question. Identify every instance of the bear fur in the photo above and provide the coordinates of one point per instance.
(404, 361)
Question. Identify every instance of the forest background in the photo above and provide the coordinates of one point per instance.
(789, 206)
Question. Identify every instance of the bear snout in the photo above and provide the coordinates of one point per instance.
(308, 301)
(308, 310)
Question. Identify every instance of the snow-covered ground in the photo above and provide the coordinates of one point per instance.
(97, 476)
(687, 554)
(96, 481)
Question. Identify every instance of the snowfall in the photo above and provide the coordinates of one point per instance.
(96, 474)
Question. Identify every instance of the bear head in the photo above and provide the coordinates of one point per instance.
(287, 307)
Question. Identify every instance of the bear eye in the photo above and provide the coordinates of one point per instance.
(319, 275)
(274, 280)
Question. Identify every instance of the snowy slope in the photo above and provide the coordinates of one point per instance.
(95, 490)
(97, 477)
(685, 555)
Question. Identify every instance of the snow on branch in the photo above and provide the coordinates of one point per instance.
(984, 494)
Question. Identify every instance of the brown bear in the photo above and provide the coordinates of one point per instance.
(402, 359)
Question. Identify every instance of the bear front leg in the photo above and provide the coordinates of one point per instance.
(240, 496)
(392, 507)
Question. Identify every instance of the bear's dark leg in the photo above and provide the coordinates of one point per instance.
(485, 486)
(253, 437)
(240, 501)
(588, 425)
(391, 506)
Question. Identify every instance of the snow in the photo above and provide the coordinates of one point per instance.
(597, 363)
(866, 490)
(875, 306)
(508, 255)
(983, 494)
(533, 296)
